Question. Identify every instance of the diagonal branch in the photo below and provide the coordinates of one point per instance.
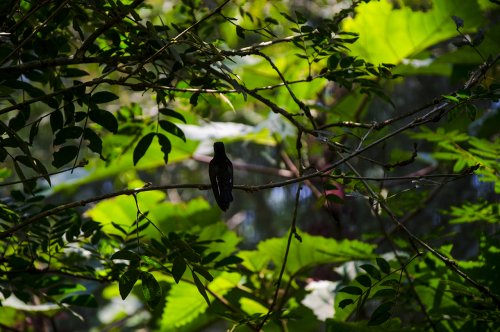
(450, 263)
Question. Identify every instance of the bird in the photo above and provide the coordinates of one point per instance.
(220, 170)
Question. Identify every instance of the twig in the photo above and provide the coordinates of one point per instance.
(80, 53)
(175, 40)
(35, 32)
(301, 105)
(293, 232)
(450, 263)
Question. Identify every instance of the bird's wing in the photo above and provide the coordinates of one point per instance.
(213, 179)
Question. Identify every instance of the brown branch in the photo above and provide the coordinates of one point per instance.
(84, 202)
(250, 167)
(428, 117)
(301, 105)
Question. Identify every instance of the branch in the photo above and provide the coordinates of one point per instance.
(293, 232)
(35, 32)
(62, 61)
(56, 272)
(3, 184)
(450, 263)
(301, 105)
(80, 53)
(84, 202)
(175, 40)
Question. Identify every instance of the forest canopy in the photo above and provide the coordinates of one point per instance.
(364, 146)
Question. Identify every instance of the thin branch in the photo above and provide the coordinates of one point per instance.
(3, 184)
(56, 272)
(62, 61)
(80, 53)
(251, 167)
(175, 40)
(403, 266)
(84, 202)
(35, 32)
(291, 234)
(450, 263)
(301, 105)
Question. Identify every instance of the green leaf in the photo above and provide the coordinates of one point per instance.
(126, 255)
(458, 21)
(210, 257)
(312, 251)
(71, 132)
(178, 268)
(142, 146)
(451, 98)
(3, 154)
(34, 131)
(408, 31)
(82, 300)
(230, 260)
(200, 287)
(33, 91)
(383, 265)
(344, 303)
(73, 72)
(153, 263)
(346, 61)
(240, 32)
(471, 111)
(334, 198)
(95, 142)
(151, 289)
(194, 98)
(390, 282)
(203, 272)
(166, 146)
(103, 97)
(105, 119)
(28, 186)
(301, 18)
(381, 314)
(184, 303)
(127, 282)
(354, 290)
(364, 280)
(372, 271)
(333, 61)
(385, 293)
(64, 155)
(56, 120)
(172, 113)
(172, 129)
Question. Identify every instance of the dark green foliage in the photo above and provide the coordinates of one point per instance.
(107, 84)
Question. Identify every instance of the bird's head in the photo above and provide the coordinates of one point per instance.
(219, 148)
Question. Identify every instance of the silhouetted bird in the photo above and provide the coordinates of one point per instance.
(220, 170)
